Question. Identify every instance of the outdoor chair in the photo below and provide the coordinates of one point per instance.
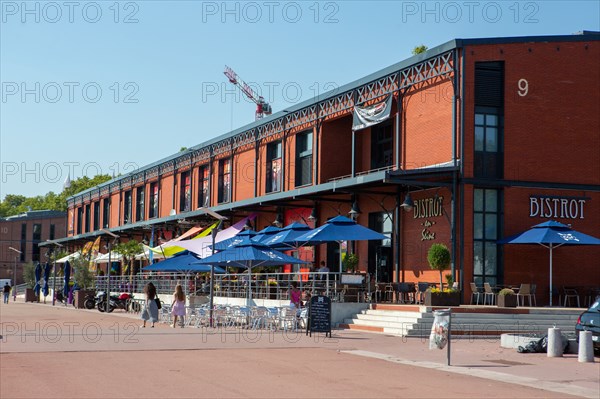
(406, 293)
(422, 287)
(571, 293)
(524, 292)
(475, 293)
(488, 293)
(165, 314)
(288, 319)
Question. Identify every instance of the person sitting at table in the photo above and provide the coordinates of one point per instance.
(323, 270)
(295, 295)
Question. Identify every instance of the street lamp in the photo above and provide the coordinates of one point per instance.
(15, 272)
(115, 238)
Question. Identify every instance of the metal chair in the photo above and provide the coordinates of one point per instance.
(422, 287)
(475, 293)
(524, 292)
(571, 293)
(405, 293)
(488, 293)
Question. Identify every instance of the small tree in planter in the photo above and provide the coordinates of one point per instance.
(507, 298)
(438, 257)
(350, 263)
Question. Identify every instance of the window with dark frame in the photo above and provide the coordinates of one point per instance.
(304, 158)
(204, 186)
(486, 225)
(106, 213)
(489, 121)
(140, 195)
(79, 220)
(88, 217)
(127, 208)
(273, 167)
(36, 237)
(96, 223)
(224, 180)
(153, 211)
(185, 192)
(382, 150)
(52, 231)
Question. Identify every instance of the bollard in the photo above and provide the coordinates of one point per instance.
(586, 347)
(555, 345)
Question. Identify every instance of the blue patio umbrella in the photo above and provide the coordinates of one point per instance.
(182, 262)
(249, 254)
(38, 275)
(551, 235)
(266, 234)
(233, 241)
(287, 238)
(47, 269)
(67, 273)
(338, 229)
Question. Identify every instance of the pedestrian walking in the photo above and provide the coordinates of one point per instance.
(6, 292)
(178, 306)
(150, 311)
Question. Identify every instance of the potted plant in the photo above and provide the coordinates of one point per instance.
(445, 297)
(438, 257)
(507, 298)
(350, 263)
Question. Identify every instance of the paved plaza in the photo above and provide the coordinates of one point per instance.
(61, 352)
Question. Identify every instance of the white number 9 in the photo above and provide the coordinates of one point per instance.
(523, 85)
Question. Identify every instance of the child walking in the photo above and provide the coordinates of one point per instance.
(178, 308)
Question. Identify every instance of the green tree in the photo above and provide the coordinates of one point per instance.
(16, 204)
(129, 250)
(438, 257)
(419, 49)
(81, 272)
(29, 274)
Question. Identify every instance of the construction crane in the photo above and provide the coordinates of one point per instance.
(262, 107)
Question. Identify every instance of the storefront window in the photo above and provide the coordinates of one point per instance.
(486, 221)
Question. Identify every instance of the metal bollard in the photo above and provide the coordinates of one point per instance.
(555, 345)
(586, 347)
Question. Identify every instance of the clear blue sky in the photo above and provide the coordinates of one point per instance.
(93, 87)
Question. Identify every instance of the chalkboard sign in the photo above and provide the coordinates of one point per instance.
(319, 315)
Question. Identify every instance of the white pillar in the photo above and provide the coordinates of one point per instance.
(555, 345)
(586, 347)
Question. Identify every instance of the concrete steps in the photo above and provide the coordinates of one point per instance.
(473, 321)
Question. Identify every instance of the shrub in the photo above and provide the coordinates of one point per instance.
(438, 257)
(506, 291)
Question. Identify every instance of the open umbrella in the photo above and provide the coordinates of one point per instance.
(287, 238)
(38, 275)
(182, 262)
(551, 235)
(233, 241)
(266, 234)
(67, 272)
(249, 254)
(47, 269)
(339, 229)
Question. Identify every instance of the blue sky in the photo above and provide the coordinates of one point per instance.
(105, 86)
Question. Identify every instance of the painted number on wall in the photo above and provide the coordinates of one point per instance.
(523, 85)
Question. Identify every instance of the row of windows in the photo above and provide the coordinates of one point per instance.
(90, 221)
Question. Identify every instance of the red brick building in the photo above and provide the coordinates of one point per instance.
(24, 233)
(487, 136)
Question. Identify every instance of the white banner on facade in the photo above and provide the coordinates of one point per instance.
(372, 114)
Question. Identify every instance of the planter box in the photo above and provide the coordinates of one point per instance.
(507, 301)
(30, 295)
(79, 298)
(442, 298)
